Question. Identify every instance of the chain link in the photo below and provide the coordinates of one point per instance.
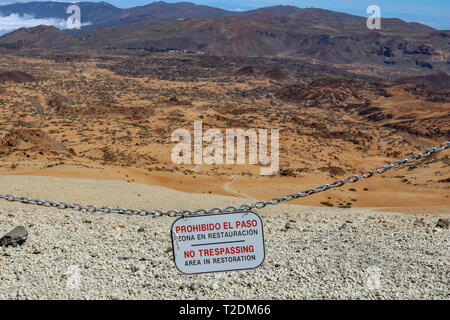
(230, 209)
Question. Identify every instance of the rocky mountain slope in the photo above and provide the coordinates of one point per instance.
(313, 34)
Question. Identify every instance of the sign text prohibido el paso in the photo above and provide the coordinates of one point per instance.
(219, 242)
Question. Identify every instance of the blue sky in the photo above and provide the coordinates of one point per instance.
(435, 13)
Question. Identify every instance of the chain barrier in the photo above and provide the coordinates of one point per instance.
(231, 209)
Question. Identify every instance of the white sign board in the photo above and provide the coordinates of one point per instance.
(219, 242)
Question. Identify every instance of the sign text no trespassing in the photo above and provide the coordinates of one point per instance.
(221, 242)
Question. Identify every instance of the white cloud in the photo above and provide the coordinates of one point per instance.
(16, 21)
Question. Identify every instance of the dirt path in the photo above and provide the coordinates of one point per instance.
(228, 188)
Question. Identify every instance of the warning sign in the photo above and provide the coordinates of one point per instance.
(220, 242)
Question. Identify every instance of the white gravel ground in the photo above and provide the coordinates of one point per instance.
(323, 254)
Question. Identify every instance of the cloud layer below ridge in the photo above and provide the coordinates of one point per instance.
(16, 21)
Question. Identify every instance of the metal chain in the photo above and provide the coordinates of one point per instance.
(231, 209)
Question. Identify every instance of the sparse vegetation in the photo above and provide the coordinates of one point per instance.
(326, 203)
(123, 109)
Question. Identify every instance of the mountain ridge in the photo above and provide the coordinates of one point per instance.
(314, 34)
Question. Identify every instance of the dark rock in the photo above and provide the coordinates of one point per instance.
(286, 227)
(443, 223)
(15, 237)
(343, 226)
